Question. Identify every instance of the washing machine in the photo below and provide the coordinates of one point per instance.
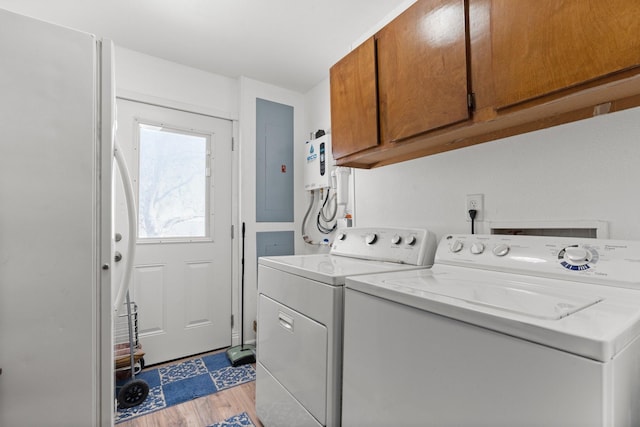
(300, 316)
(501, 331)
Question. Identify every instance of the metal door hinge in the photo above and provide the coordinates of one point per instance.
(233, 232)
(232, 321)
(471, 101)
(233, 144)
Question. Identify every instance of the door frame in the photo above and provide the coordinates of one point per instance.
(235, 187)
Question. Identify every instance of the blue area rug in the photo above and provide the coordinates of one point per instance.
(240, 420)
(184, 381)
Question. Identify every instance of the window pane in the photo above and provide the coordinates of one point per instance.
(173, 182)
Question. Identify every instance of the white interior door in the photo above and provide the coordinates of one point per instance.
(181, 167)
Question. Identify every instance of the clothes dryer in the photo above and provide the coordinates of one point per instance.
(300, 311)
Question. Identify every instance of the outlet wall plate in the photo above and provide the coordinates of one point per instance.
(474, 201)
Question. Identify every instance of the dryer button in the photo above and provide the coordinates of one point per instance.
(501, 250)
(456, 246)
(477, 248)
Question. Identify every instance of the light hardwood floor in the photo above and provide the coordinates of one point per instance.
(203, 411)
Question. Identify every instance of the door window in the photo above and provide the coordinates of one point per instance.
(173, 182)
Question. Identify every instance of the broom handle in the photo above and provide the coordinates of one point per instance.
(242, 291)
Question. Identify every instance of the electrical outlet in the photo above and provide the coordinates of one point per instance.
(474, 201)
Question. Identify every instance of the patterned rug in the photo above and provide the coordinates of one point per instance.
(184, 381)
(240, 420)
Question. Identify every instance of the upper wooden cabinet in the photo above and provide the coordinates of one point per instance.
(408, 79)
(525, 64)
(354, 101)
(540, 47)
(422, 70)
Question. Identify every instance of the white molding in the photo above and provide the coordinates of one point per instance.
(104, 190)
(176, 105)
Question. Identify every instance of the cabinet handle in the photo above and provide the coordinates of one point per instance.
(285, 321)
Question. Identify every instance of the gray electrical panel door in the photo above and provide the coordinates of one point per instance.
(274, 243)
(274, 162)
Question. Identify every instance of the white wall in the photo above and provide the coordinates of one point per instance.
(140, 75)
(249, 91)
(587, 170)
(318, 103)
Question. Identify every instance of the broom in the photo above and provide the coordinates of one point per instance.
(243, 353)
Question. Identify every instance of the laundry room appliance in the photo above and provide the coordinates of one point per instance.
(502, 331)
(318, 163)
(300, 309)
(57, 248)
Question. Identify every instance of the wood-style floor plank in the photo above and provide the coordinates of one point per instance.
(203, 411)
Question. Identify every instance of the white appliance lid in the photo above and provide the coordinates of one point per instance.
(589, 320)
(508, 297)
(330, 269)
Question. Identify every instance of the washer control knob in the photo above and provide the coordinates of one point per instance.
(341, 236)
(477, 248)
(501, 250)
(456, 246)
(577, 256)
(411, 240)
(396, 239)
(371, 238)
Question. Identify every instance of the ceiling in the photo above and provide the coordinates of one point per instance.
(288, 43)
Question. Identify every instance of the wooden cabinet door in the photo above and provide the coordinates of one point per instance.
(354, 101)
(422, 69)
(543, 46)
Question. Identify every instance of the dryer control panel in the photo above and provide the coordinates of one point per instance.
(415, 246)
(609, 262)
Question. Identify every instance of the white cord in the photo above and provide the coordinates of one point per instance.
(303, 230)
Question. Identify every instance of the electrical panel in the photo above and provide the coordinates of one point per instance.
(274, 162)
(318, 163)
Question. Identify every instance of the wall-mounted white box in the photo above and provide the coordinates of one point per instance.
(318, 163)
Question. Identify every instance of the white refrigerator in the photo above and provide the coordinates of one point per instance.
(56, 238)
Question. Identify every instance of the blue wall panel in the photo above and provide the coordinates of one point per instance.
(273, 243)
(274, 162)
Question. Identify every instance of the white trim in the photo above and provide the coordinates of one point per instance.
(106, 117)
(208, 135)
(130, 95)
(236, 242)
(172, 240)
